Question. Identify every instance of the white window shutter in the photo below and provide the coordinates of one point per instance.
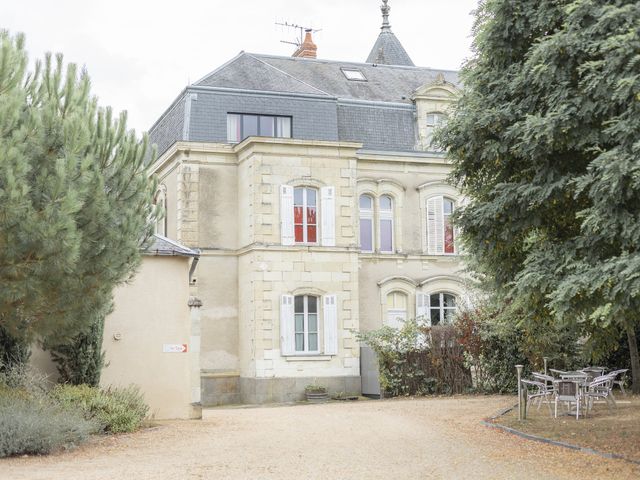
(330, 312)
(287, 333)
(328, 216)
(435, 226)
(286, 215)
(422, 306)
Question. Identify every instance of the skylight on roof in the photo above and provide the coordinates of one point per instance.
(354, 74)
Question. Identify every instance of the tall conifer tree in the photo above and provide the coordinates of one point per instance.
(75, 198)
(544, 141)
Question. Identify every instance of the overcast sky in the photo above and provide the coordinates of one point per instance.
(140, 54)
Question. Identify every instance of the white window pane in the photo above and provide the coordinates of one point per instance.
(299, 342)
(447, 206)
(311, 197)
(298, 197)
(449, 300)
(233, 128)
(366, 202)
(386, 236)
(267, 127)
(299, 322)
(434, 300)
(385, 202)
(312, 304)
(313, 342)
(283, 127)
(299, 304)
(366, 234)
(249, 126)
(313, 323)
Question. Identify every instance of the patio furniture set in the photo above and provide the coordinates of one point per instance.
(578, 390)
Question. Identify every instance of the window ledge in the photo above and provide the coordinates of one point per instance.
(308, 358)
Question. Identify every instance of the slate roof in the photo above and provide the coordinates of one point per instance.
(389, 51)
(164, 246)
(270, 73)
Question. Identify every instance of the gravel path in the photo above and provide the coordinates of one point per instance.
(418, 439)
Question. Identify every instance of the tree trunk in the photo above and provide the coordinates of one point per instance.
(635, 358)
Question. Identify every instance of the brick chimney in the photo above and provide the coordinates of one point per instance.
(308, 49)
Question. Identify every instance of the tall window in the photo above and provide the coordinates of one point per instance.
(440, 230)
(396, 309)
(241, 126)
(160, 201)
(366, 223)
(305, 218)
(386, 224)
(442, 308)
(306, 323)
(434, 120)
(447, 225)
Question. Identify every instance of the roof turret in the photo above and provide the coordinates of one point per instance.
(388, 50)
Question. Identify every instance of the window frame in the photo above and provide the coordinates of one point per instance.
(440, 119)
(426, 225)
(305, 224)
(359, 74)
(305, 332)
(259, 116)
(367, 214)
(399, 312)
(386, 215)
(441, 308)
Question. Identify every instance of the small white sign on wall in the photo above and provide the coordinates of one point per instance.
(174, 348)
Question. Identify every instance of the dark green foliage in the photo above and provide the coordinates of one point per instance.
(494, 345)
(419, 360)
(544, 142)
(14, 351)
(116, 410)
(75, 198)
(80, 360)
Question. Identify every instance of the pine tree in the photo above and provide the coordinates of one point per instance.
(544, 141)
(75, 199)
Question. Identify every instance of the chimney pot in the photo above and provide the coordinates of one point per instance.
(308, 49)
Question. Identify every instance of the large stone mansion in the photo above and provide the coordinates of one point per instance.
(319, 209)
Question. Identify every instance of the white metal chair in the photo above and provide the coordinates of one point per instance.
(537, 391)
(600, 389)
(567, 391)
(619, 381)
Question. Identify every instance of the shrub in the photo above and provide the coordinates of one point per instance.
(80, 359)
(417, 360)
(31, 425)
(116, 410)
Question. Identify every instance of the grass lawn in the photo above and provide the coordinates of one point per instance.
(616, 431)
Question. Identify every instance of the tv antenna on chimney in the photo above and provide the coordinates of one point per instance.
(301, 31)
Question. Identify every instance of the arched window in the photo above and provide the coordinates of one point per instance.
(386, 224)
(306, 323)
(396, 308)
(366, 223)
(440, 231)
(305, 219)
(442, 308)
(434, 120)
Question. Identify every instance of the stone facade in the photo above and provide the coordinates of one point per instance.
(292, 264)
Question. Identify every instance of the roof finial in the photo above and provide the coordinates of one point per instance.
(385, 8)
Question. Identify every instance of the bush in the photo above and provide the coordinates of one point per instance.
(494, 345)
(418, 360)
(31, 425)
(116, 410)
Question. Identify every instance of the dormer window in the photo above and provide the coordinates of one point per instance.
(354, 74)
(242, 125)
(434, 120)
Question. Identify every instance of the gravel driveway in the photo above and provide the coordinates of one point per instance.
(415, 439)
